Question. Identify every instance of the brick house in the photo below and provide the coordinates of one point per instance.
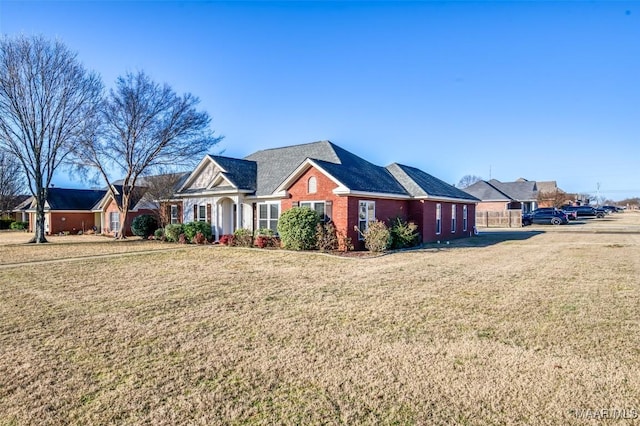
(251, 193)
(66, 210)
(107, 212)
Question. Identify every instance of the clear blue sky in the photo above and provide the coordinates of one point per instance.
(540, 90)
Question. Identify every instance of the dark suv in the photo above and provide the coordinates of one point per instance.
(545, 216)
(585, 211)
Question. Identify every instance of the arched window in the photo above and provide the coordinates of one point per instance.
(312, 185)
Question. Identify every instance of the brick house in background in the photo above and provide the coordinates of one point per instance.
(107, 212)
(252, 193)
(66, 210)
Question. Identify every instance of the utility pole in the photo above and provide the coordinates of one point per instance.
(598, 194)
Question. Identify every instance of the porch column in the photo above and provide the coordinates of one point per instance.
(238, 213)
(216, 220)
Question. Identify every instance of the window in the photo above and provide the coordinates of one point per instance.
(438, 218)
(114, 221)
(268, 214)
(367, 213)
(453, 218)
(202, 214)
(312, 185)
(174, 214)
(319, 206)
(464, 218)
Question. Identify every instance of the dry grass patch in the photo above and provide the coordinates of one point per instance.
(517, 332)
(15, 250)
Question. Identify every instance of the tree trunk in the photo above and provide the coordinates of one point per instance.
(39, 236)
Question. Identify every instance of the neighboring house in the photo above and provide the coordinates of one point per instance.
(66, 210)
(17, 211)
(252, 193)
(107, 210)
(496, 196)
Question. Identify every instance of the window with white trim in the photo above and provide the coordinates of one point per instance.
(312, 185)
(114, 221)
(464, 217)
(438, 218)
(268, 214)
(174, 213)
(320, 207)
(366, 215)
(202, 213)
(453, 218)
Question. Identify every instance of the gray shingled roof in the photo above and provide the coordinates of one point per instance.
(484, 191)
(519, 191)
(421, 184)
(494, 190)
(241, 173)
(275, 165)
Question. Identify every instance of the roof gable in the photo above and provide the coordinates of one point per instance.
(484, 191)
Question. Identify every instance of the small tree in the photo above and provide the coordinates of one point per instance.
(159, 189)
(297, 228)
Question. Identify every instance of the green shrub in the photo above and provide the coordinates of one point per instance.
(144, 225)
(377, 237)
(20, 226)
(158, 234)
(172, 232)
(403, 234)
(243, 238)
(297, 228)
(190, 230)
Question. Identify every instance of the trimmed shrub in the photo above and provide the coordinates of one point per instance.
(190, 230)
(243, 238)
(403, 234)
(182, 239)
(297, 228)
(144, 225)
(377, 237)
(172, 232)
(159, 234)
(19, 226)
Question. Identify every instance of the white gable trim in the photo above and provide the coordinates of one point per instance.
(201, 165)
(218, 178)
(300, 170)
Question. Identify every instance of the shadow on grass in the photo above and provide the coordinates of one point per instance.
(484, 239)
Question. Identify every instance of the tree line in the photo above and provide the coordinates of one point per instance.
(55, 112)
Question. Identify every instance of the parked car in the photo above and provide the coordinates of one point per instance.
(545, 216)
(586, 211)
(612, 209)
(571, 215)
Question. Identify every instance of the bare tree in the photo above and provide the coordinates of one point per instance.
(47, 100)
(468, 180)
(11, 182)
(145, 126)
(556, 198)
(159, 191)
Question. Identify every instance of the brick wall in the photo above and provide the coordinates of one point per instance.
(70, 222)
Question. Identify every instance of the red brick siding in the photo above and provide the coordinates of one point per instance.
(429, 221)
(126, 227)
(73, 222)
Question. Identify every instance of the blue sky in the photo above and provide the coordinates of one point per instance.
(540, 90)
